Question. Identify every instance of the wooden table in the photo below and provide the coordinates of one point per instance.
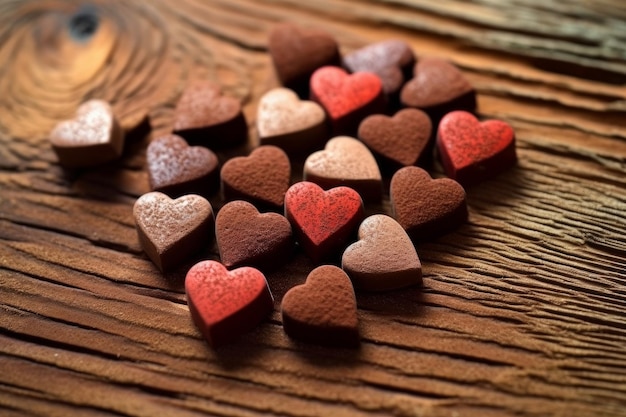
(523, 310)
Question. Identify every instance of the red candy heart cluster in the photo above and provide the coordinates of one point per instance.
(352, 115)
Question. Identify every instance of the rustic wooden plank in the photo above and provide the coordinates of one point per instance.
(522, 308)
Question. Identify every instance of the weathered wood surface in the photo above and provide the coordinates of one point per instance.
(522, 310)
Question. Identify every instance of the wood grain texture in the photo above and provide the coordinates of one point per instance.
(522, 310)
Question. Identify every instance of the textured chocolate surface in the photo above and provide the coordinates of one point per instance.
(246, 237)
(175, 168)
(172, 230)
(294, 125)
(323, 309)
(392, 60)
(261, 178)
(424, 207)
(92, 137)
(204, 116)
(224, 304)
(297, 52)
(345, 161)
(438, 87)
(384, 258)
(401, 139)
(472, 151)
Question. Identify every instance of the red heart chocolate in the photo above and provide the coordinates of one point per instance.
(294, 125)
(347, 98)
(322, 310)
(261, 178)
(175, 168)
(392, 60)
(170, 230)
(384, 258)
(323, 221)
(93, 137)
(205, 117)
(424, 207)
(472, 151)
(246, 237)
(297, 52)
(345, 161)
(438, 87)
(225, 304)
(400, 139)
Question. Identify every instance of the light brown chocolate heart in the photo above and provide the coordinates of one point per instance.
(175, 168)
(438, 87)
(92, 137)
(171, 230)
(322, 310)
(261, 178)
(383, 258)
(294, 125)
(424, 207)
(246, 237)
(345, 161)
(204, 116)
(400, 139)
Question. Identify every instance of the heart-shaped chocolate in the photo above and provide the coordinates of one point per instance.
(322, 310)
(170, 230)
(297, 52)
(438, 87)
(347, 98)
(175, 168)
(92, 137)
(400, 139)
(261, 178)
(392, 60)
(424, 207)
(246, 237)
(204, 116)
(345, 161)
(472, 151)
(384, 258)
(294, 125)
(225, 304)
(323, 221)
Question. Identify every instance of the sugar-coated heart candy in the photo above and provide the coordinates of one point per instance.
(323, 309)
(347, 98)
(261, 178)
(323, 221)
(224, 304)
(401, 139)
(171, 230)
(297, 52)
(424, 207)
(204, 116)
(392, 60)
(383, 258)
(438, 87)
(175, 168)
(246, 237)
(294, 125)
(92, 137)
(345, 161)
(472, 151)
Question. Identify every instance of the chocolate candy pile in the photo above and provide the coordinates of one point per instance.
(376, 107)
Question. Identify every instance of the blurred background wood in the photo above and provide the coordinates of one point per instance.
(522, 310)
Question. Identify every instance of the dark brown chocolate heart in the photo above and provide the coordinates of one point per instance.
(400, 139)
(246, 237)
(297, 52)
(261, 178)
(175, 168)
(205, 117)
